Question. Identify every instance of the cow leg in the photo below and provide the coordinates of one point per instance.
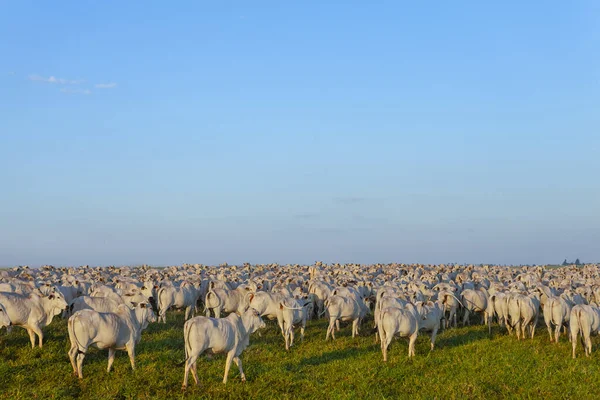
(330, 329)
(302, 333)
(80, 357)
(195, 372)
(188, 312)
(557, 333)
(130, 347)
(411, 344)
(354, 327)
(189, 363)
(337, 324)
(385, 342)
(238, 362)
(291, 336)
(465, 317)
(111, 358)
(552, 334)
(38, 331)
(574, 333)
(73, 358)
(217, 312)
(31, 337)
(433, 336)
(588, 343)
(228, 365)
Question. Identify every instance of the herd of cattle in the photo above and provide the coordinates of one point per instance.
(110, 307)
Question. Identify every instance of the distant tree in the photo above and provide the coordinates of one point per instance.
(577, 262)
(565, 262)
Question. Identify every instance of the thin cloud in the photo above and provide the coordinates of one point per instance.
(76, 91)
(350, 199)
(105, 85)
(53, 79)
(306, 215)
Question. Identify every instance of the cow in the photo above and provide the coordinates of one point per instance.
(293, 313)
(344, 309)
(184, 296)
(556, 314)
(229, 335)
(394, 321)
(32, 312)
(118, 330)
(523, 313)
(429, 317)
(584, 319)
(474, 301)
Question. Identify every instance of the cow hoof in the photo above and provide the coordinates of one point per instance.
(244, 379)
(183, 388)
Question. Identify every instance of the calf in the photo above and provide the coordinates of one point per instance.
(32, 312)
(229, 335)
(119, 330)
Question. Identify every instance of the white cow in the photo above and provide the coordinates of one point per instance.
(32, 312)
(184, 296)
(523, 313)
(119, 330)
(294, 313)
(556, 314)
(430, 316)
(394, 321)
(229, 335)
(224, 300)
(584, 319)
(105, 304)
(344, 309)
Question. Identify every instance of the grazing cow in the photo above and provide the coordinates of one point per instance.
(229, 335)
(344, 309)
(118, 330)
(584, 319)
(4, 318)
(394, 321)
(556, 314)
(32, 312)
(185, 296)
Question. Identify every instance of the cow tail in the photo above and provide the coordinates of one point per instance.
(159, 294)
(187, 328)
(72, 336)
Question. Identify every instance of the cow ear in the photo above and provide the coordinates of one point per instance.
(133, 303)
(281, 306)
(251, 296)
(143, 305)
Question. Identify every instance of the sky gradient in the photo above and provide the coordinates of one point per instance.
(148, 132)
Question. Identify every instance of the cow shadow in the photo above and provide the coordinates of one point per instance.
(335, 355)
(449, 338)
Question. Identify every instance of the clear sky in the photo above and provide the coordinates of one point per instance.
(167, 132)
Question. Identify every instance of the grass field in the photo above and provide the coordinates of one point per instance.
(466, 363)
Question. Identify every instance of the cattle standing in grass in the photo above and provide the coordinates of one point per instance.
(344, 309)
(32, 312)
(584, 320)
(229, 335)
(556, 314)
(394, 321)
(293, 313)
(119, 330)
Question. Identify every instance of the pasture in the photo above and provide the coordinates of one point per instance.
(467, 363)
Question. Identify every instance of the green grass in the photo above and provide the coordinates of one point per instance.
(466, 363)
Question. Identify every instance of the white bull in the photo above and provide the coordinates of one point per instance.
(229, 335)
(119, 330)
(32, 312)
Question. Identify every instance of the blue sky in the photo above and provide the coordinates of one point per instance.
(162, 133)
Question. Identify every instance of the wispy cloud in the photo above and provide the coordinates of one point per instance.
(53, 79)
(76, 91)
(350, 199)
(105, 85)
(306, 215)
